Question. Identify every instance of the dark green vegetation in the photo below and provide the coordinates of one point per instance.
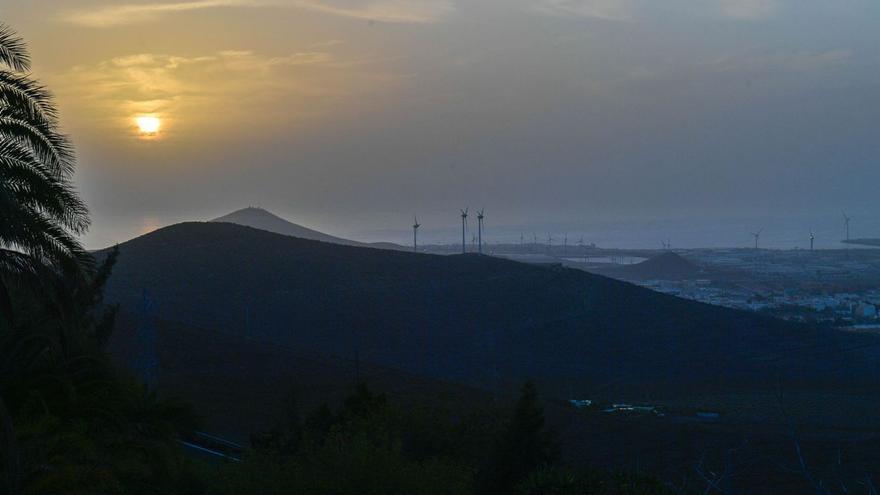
(71, 423)
(369, 446)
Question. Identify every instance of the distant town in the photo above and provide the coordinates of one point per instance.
(838, 287)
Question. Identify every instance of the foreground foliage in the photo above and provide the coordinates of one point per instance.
(368, 446)
(70, 422)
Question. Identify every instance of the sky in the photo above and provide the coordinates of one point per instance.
(351, 116)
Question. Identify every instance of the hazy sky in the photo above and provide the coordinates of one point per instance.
(351, 115)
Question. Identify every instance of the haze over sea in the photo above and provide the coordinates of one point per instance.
(778, 233)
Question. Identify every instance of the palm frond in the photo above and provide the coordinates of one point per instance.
(32, 185)
(34, 234)
(48, 146)
(30, 115)
(13, 50)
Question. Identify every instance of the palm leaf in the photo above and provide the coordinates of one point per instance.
(13, 51)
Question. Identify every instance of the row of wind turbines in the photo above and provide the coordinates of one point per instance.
(846, 221)
(464, 216)
(667, 245)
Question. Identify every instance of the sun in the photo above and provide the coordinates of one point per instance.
(148, 124)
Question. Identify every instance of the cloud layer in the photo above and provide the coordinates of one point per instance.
(628, 10)
(392, 11)
(215, 93)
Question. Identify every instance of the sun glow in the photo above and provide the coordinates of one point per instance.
(148, 124)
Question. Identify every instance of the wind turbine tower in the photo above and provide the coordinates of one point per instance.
(464, 215)
(846, 220)
(416, 226)
(583, 251)
(757, 236)
(480, 217)
(812, 239)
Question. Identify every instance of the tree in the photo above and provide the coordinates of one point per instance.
(40, 213)
(526, 444)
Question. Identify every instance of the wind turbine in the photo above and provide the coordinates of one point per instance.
(583, 251)
(464, 215)
(416, 226)
(480, 217)
(549, 242)
(757, 235)
(812, 239)
(846, 220)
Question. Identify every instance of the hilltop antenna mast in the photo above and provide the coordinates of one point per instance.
(480, 217)
(416, 226)
(464, 215)
(757, 236)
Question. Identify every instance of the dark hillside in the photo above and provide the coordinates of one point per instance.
(240, 386)
(478, 320)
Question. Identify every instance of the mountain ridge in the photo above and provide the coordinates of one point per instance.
(472, 319)
(260, 218)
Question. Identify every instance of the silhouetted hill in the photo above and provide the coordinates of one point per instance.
(474, 319)
(259, 218)
(666, 266)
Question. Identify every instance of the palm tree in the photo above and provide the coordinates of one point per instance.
(40, 213)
